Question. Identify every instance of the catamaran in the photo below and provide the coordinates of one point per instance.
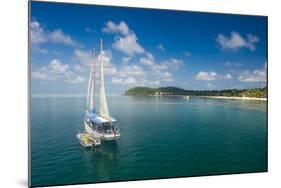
(99, 124)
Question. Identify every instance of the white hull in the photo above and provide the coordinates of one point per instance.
(102, 136)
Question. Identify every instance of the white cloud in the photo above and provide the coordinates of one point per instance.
(167, 77)
(56, 70)
(39, 36)
(171, 63)
(76, 80)
(110, 69)
(160, 70)
(126, 59)
(37, 33)
(159, 67)
(86, 57)
(206, 76)
(128, 44)
(233, 64)
(149, 55)
(38, 49)
(174, 63)
(111, 27)
(255, 76)
(117, 80)
(130, 80)
(147, 60)
(228, 76)
(78, 68)
(135, 74)
(129, 74)
(161, 47)
(236, 41)
(210, 86)
(210, 76)
(41, 75)
(57, 36)
(90, 30)
(154, 83)
(125, 81)
(187, 54)
(131, 70)
(53, 71)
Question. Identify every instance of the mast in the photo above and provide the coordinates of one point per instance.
(103, 104)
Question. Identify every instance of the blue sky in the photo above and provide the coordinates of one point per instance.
(144, 47)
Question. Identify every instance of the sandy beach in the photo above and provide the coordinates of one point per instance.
(236, 98)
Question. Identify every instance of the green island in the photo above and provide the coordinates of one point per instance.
(170, 91)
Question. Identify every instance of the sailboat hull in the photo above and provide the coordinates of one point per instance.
(102, 136)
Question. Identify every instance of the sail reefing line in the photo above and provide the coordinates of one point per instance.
(103, 103)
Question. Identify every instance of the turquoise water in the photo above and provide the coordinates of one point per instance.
(160, 137)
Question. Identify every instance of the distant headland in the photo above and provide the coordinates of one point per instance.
(253, 93)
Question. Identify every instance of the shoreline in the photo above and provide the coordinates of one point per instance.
(235, 98)
(214, 97)
(182, 96)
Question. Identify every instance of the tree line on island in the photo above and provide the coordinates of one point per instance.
(147, 91)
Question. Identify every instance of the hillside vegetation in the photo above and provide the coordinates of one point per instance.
(146, 91)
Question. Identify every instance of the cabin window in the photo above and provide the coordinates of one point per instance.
(107, 128)
(94, 126)
(99, 128)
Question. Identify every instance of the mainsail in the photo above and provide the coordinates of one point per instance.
(89, 90)
(91, 87)
(103, 104)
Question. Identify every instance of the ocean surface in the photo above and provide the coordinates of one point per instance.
(160, 137)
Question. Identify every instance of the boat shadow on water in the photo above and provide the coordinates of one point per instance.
(108, 149)
(99, 160)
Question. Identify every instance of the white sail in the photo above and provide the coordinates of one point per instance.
(103, 104)
(92, 95)
(91, 87)
(89, 90)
